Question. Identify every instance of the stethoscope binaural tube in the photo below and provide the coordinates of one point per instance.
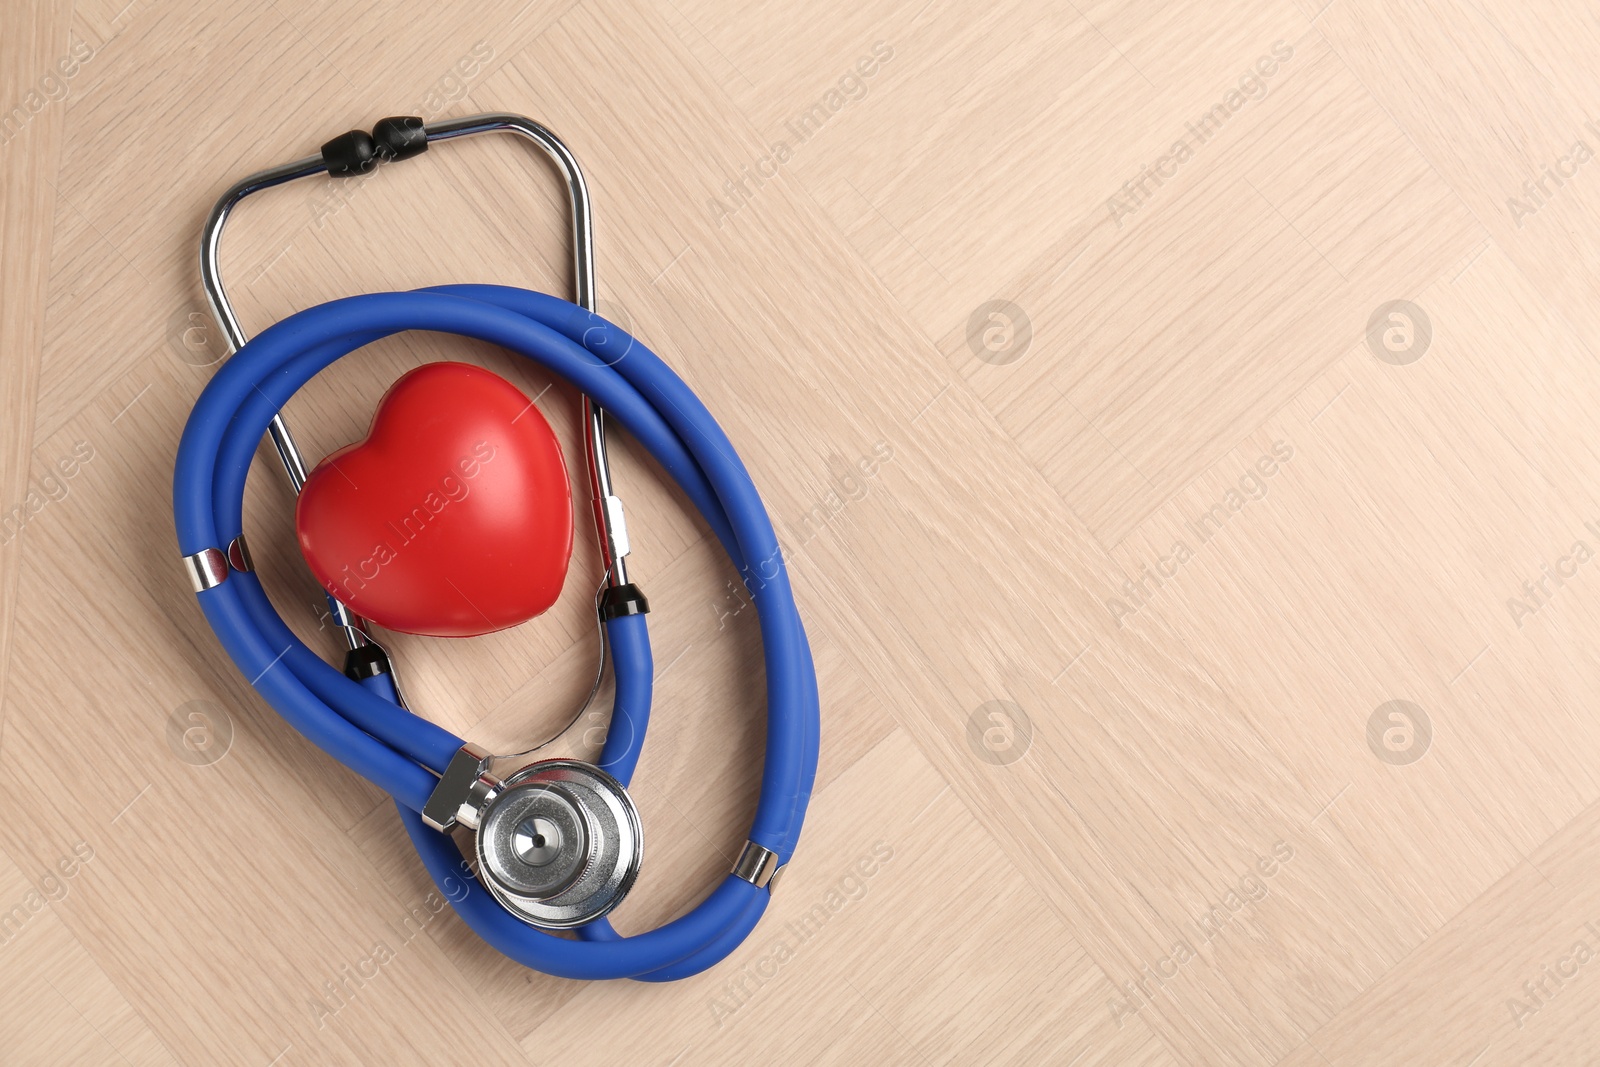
(402, 753)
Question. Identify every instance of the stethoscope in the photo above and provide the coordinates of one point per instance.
(558, 843)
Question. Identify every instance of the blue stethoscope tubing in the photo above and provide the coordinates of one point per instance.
(364, 727)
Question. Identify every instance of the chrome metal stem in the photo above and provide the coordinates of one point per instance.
(611, 530)
(351, 625)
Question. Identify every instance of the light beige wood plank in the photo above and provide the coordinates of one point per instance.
(59, 1005)
(35, 41)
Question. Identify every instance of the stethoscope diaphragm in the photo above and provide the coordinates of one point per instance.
(560, 844)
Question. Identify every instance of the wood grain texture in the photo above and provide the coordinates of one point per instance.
(1167, 503)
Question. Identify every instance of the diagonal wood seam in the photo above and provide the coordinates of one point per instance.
(906, 706)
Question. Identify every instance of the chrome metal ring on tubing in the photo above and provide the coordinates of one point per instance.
(525, 884)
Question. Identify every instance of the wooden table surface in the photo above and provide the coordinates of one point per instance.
(1180, 417)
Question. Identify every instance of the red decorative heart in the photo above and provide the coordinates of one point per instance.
(452, 518)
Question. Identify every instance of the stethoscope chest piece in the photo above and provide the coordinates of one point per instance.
(560, 843)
